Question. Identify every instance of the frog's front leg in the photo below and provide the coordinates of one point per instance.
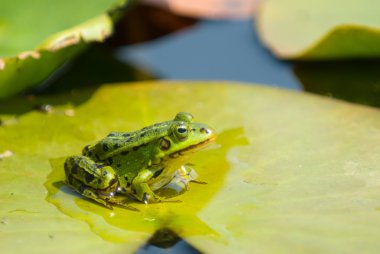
(90, 179)
(140, 185)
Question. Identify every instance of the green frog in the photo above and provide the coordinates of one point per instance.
(137, 164)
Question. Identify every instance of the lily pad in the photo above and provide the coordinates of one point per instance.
(297, 29)
(290, 172)
(37, 37)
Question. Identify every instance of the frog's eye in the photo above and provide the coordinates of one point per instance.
(181, 131)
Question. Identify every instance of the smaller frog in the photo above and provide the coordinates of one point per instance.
(136, 164)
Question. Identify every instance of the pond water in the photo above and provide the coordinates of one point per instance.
(231, 50)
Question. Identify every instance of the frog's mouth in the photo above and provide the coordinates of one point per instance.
(192, 148)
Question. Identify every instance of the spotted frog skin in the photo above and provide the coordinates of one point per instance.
(137, 164)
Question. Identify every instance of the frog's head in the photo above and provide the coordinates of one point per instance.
(186, 137)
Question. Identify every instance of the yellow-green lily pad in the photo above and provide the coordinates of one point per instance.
(296, 29)
(290, 172)
(37, 37)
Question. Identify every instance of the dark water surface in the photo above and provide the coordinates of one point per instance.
(212, 50)
(231, 50)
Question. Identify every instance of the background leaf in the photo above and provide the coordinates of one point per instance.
(36, 39)
(315, 29)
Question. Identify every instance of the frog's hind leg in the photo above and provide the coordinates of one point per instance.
(106, 200)
(90, 179)
(88, 192)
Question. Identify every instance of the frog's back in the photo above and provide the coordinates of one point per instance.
(117, 142)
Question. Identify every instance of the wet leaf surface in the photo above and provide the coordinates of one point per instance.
(290, 171)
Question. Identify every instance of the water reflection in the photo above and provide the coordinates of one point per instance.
(166, 241)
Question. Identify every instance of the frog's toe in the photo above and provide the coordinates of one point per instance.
(145, 198)
(159, 199)
(151, 198)
(103, 202)
(131, 208)
(127, 206)
(198, 182)
(172, 201)
(119, 200)
(109, 206)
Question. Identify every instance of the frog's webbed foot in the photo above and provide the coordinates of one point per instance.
(183, 176)
(121, 201)
(180, 182)
(89, 193)
(158, 199)
(154, 198)
(191, 174)
(198, 182)
(106, 199)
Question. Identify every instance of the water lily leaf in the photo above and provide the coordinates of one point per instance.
(316, 30)
(289, 171)
(37, 37)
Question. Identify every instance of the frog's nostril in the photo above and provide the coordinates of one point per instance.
(206, 130)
